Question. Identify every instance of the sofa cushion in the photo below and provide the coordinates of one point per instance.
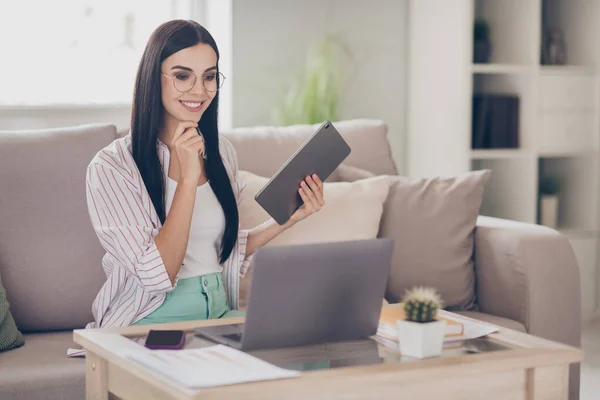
(432, 221)
(264, 149)
(352, 211)
(10, 337)
(50, 257)
(42, 370)
(348, 173)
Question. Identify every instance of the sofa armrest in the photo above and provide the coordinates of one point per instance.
(528, 273)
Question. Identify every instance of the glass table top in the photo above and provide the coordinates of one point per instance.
(375, 350)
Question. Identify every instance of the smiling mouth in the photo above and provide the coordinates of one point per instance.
(192, 105)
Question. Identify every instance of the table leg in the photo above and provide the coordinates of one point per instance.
(96, 377)
(548, 383)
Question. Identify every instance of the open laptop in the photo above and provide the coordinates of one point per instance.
(311, 294)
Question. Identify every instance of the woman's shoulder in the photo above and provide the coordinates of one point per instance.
(229, 156)
(227, 150)
(116, 156)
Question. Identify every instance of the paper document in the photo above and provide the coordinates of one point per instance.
(210, 366)
(472, 329)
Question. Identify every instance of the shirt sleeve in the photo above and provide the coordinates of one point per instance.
(124, 227)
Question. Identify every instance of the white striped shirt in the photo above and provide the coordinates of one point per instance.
(126, 223)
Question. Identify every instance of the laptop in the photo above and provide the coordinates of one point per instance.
(311, 294)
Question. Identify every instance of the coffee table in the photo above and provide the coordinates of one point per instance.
(504, 365)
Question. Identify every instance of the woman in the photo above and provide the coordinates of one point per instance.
(163, 199)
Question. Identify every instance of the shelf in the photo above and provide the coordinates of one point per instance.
(568, 70)
(491, 154)
(510, 192)
(578, 193)
(501, 69)
(568, 153)
(578, 233)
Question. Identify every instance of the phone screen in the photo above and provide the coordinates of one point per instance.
(165, 338)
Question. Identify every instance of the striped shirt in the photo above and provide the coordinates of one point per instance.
(126, 223)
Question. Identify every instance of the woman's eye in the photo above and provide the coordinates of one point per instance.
(182, 77)
(209, 77)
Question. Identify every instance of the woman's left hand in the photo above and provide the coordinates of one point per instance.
(311, 191)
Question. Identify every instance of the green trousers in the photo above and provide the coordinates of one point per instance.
(199, 297)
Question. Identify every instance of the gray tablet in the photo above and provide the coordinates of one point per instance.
(320, 154)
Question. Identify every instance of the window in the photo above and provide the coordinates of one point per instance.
(75, 52)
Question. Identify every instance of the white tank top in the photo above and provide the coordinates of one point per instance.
(206, 232)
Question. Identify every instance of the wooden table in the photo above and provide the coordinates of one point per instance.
(527, 368)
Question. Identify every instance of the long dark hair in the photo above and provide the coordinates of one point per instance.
(147, 118)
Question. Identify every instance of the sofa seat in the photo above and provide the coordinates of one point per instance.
(41, 369)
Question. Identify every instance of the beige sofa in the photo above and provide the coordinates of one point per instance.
(526, 276)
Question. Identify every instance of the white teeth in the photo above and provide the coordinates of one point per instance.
(190, 104)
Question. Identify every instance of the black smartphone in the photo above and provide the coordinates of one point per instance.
(165, 339)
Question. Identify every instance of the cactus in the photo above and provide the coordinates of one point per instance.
(421, 304)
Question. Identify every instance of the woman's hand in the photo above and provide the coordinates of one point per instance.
(189, 148)
(311, 191)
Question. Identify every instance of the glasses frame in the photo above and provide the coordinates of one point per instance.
(220, 82)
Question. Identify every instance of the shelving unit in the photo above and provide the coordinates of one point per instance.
(558, 110)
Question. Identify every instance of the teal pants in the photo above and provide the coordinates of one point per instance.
(200, 297)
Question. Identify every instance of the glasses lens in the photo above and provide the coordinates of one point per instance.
(213, 81)
(184, 81)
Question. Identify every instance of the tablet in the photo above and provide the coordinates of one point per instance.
(320, 154)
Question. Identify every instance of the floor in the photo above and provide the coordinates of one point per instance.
(590, 370)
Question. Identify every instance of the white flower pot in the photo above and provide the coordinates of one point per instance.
(421, 340)
(549, 211)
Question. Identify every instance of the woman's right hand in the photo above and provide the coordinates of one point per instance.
(189, 147)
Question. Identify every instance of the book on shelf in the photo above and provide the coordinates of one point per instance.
(390, 315)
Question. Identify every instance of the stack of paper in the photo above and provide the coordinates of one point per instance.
(457, 328)
(210, 366)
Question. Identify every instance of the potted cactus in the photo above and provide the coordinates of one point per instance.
(421, 334)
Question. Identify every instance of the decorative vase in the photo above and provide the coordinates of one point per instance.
(421, 340)
(549, 211)
(481, 51)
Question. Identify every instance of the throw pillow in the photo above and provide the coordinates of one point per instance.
(432, 222)
(10, 337)
(348, 173)
(352, 211)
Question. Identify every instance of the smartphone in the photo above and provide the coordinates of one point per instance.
(165, 339)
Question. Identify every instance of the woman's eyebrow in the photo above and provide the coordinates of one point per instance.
(214, 67)
(182, 67)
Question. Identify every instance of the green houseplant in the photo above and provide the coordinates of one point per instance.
(549, 189)
(421, 334)
(315, 91)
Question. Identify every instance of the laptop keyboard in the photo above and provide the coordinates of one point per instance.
(234, 336)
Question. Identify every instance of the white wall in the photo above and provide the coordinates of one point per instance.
(271, 38)
(439, 87)
(55, 117)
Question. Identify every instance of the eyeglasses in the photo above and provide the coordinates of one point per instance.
(184, 81)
